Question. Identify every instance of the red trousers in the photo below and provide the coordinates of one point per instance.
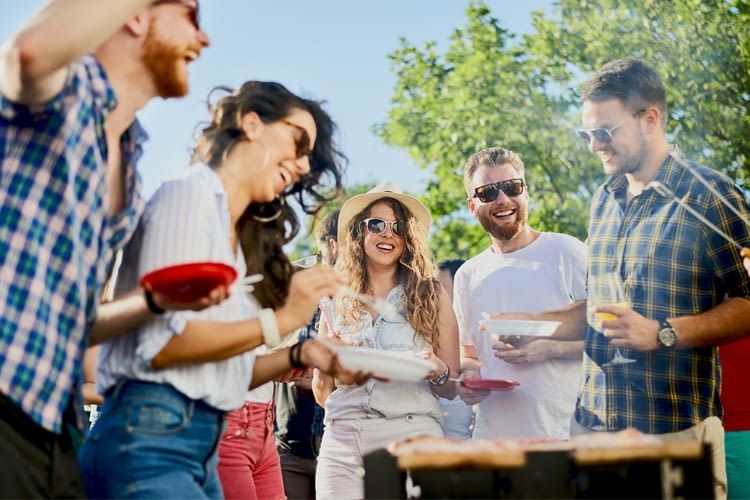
(249, 465)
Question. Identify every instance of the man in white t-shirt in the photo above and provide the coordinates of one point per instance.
(524, 270)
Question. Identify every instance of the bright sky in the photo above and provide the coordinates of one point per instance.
(334, 50)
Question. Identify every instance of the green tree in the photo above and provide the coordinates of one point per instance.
(701, 49)
(492, 88)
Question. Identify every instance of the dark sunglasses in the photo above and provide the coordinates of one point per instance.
(603, 135)
(301, 140)
(376, 225)
(490, 192)
(193, 7)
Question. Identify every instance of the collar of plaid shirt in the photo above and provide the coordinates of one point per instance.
(672, 265)
(56, 239)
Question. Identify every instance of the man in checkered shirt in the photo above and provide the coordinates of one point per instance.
(71, 81)
(685, 286)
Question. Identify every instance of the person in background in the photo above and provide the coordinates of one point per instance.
(686, 289)
(71, 81)
(735, 360)
(522, 270)
(299, 419)
(382, 236)
(169, 383)
(457, 416)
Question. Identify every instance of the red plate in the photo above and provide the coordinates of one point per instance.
(189, 282)
(491, 384)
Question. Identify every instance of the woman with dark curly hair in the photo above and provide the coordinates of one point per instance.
(384, 253)
(169, 383)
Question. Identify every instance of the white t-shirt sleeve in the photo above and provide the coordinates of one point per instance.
(579, 267)
(461, 298)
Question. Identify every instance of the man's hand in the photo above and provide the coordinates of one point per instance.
(629, 329)
(469, 396)
(746, 260)
(514, 340)
(533, 350)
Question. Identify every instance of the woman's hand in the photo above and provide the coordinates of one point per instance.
(440, 366)
(306, 289)
(215, 296)
(318, 355)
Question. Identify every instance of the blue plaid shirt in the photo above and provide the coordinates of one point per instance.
(56, 239)
(672, 265)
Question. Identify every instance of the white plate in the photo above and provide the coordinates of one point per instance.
(405, 366)
(519, 327)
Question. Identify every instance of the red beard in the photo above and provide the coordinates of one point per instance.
(503, 232)
(166, 64)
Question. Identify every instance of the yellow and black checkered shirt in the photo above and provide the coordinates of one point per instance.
(671, 265)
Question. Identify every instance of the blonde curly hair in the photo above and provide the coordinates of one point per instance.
(416, 271)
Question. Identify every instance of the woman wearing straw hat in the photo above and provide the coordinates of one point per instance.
(383, 252)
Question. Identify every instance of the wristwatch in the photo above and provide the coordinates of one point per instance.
(442, 378)
(666, 337)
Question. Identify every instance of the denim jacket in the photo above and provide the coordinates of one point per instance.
(375, 399)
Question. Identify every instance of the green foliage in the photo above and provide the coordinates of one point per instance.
(490, 88)
(699, 47)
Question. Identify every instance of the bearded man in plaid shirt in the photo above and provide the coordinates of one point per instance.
(71, 81)
(684, 283)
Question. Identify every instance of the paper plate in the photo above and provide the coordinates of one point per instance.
(491, 384)
(404, 366)
(519, 327)
(189, 282)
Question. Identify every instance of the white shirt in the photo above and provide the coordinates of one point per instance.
(187, 220)
(548, 274)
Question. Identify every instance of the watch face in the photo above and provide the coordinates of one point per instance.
(667, 337)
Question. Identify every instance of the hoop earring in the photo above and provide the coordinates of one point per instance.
(275, 215)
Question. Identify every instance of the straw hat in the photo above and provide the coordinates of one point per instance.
(357, 203)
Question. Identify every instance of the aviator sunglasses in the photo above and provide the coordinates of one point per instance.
(603, 135)
(376, 225)
(490, 192)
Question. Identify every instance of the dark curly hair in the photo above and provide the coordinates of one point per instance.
(262, 242)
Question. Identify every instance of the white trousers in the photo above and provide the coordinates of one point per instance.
(340, 469)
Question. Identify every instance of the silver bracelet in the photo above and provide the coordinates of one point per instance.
(269, 328)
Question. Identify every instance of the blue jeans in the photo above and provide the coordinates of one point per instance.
(152, 441)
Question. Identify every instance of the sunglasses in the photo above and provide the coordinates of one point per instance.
(603, 135)
(490, 192)
(193, 6)
(301, 140)
(376, 225)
